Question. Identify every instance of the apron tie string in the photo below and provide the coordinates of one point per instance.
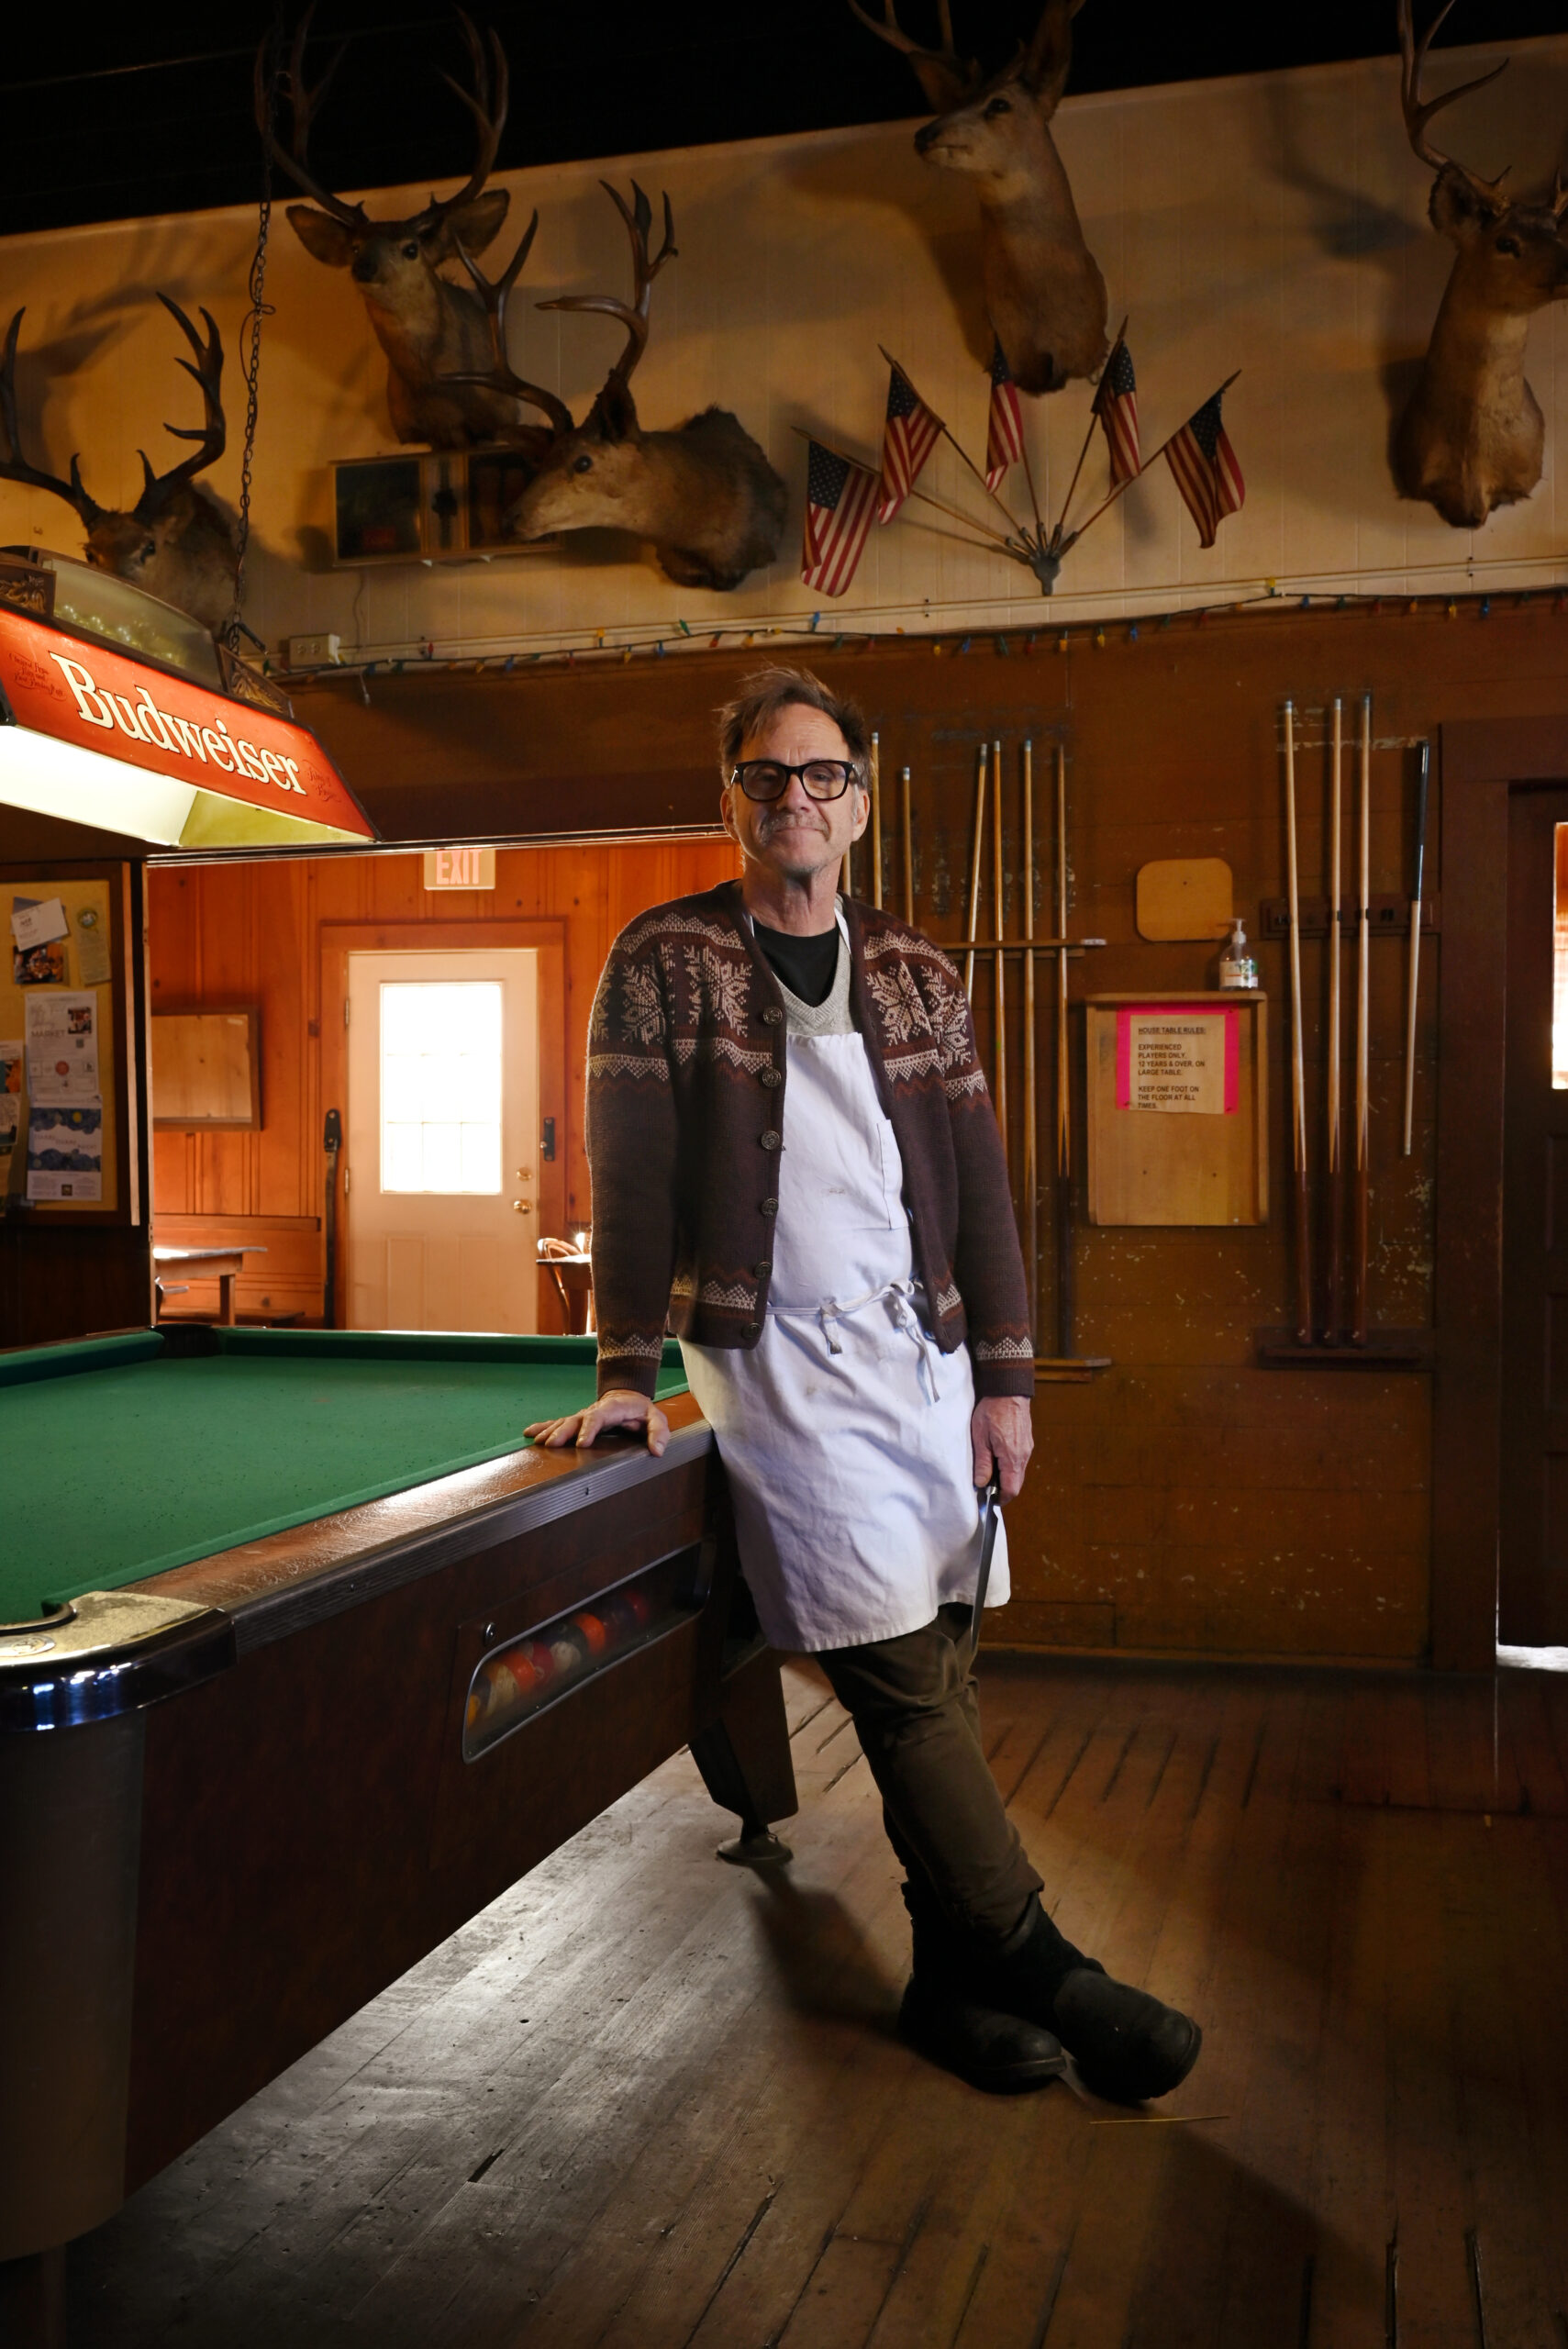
(897, 1295)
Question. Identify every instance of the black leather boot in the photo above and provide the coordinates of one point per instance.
(1126, 2043)
(1003, 2053)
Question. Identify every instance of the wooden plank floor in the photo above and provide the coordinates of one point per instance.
(647, 2102)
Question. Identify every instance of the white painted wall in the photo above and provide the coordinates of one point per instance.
(1275, 222)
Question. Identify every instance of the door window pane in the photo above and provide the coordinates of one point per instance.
(440, 1086)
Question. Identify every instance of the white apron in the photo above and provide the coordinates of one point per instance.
(845, 1431)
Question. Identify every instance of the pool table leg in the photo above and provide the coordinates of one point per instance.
(32, 2301)
(70, 1848)
(745, 1761)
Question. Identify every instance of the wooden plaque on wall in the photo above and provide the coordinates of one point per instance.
(1178, 1108)
(207, 1069)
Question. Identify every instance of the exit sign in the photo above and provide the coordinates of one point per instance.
(460, 868)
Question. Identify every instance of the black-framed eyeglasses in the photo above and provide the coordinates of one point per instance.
(767, 779)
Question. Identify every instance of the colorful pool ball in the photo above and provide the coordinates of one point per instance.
(593, 1630)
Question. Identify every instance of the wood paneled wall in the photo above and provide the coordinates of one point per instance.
(1186, 1500)
(252, 934)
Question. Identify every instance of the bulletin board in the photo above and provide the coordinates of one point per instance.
(1178, 1108)
(62, 1048)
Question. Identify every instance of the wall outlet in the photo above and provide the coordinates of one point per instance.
(315, 651)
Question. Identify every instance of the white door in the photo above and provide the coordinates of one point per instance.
(442, 1180)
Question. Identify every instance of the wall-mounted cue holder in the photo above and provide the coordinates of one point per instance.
(1387, 916)
(1178, 1108)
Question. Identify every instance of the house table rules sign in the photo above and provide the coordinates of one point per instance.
(1177, 1098)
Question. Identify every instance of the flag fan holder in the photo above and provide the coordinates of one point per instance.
(851, 491)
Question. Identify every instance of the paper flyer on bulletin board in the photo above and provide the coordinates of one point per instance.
(58, 1113)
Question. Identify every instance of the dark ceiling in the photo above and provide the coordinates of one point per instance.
(148, 111)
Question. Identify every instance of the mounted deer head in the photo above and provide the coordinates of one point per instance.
(706, 496)
(1044, 293)
(174, 541)
(1473, 436)
(434, 334)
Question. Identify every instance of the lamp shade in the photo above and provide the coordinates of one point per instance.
(98, 738)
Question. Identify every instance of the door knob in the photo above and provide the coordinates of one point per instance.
(522, 1206)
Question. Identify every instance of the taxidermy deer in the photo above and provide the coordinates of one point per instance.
(434, 333)
(1044, 293)
(1473, 435)
(706, 496)
(174, 541)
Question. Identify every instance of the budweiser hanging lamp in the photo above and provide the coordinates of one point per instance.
(117, 711)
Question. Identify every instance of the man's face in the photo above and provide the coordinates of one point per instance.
(795, 837)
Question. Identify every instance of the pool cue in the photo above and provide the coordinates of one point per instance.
(1363, 940)
(875, 820)
(904, 826)
(1064, 1316)
(1415, 980)
(999, 1041)
(333, 1142)
(1297, 1051)
(1336, 1151)
(982, 767)
(1031, 1096)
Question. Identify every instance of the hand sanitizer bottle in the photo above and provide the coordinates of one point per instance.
(1237, 968)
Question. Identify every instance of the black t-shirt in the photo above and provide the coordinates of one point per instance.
(807, 966)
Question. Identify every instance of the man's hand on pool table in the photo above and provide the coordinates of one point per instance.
(620, 1407)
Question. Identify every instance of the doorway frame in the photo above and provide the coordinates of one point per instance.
(1481, 762)
(545, 935)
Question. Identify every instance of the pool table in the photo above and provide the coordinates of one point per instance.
(305, 1656)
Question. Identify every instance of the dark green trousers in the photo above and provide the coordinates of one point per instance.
(914, 1705)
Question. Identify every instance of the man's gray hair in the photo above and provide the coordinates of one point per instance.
(766, 692)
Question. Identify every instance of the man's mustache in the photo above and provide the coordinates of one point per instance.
(792, 819)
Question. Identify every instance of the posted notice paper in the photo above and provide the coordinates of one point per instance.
(10, 1092)
(65, 1152)
(63, 1047)
(1177, 1057)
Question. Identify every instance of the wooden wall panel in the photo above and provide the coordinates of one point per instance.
(1186, 1500)
(224, 936)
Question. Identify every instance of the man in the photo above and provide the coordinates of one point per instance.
(796, 1167)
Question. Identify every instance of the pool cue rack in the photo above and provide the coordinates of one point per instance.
(1388, 916)
(1019, 1007)
(1325, 1337)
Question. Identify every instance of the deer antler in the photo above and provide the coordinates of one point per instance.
(487, 102)
(633, 315)
(157, 489)
(493, 297)
(303, 102)
(14, 466)
(944, 76)
(1420, 112)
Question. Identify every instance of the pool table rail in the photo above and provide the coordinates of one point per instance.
(108, 1652)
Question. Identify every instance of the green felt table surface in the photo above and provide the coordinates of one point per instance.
(120, 1457)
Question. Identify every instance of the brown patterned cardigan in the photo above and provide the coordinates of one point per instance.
(686, 1082)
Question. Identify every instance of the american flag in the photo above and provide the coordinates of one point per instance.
(909, 437)
(1206, 469)
(1005, 426)
(840, 499)
(1115, 405)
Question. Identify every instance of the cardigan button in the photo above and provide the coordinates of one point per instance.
(762, 1270)
(773, 1017)
(771, 1076)
(750, 1329)
(770, 1207)
(772, 1141)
